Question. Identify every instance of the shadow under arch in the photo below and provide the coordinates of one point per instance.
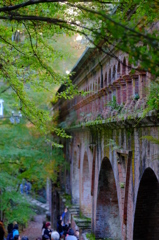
(147, 208)
(107, 212)
(86, 198)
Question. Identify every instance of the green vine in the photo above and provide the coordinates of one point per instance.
(114, 105)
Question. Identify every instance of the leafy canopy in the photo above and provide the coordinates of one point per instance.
(29, 59)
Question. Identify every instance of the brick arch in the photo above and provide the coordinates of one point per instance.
(75, 179)
(147, 208)
(109, 76)
(105, 81)
(86, 198)
(114, 73)
(124, 66)
(118, 70)
(107, 210)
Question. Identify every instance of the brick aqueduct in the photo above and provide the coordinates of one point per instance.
(114, 170)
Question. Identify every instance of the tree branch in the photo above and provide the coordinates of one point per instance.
(35, 54)
(113, 21)
(34, 2)
(4, 90)
(11, 45)
(25, 4)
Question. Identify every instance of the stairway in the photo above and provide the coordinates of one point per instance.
(74, 210)
(82, 223)
(33, 201)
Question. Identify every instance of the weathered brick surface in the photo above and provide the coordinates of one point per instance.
(86, 199)
(75, 179)
(117, 188)
(111, 213)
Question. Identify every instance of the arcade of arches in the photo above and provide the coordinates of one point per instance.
(119, 193)
(114, 184)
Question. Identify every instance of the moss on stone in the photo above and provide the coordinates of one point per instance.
(90, 236)
(67, 199)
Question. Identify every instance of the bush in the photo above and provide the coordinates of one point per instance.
(153, 98)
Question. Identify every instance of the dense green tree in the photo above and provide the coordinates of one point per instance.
(29, 59)
(24, 154)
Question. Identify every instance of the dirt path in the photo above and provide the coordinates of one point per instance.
(34, 228)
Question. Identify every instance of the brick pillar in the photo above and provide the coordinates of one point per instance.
(142, 85)
(86, 198)
(109, 94)
(123, 91)
(106, 97)
(75, 178)
(129, 90)
(113, 88)
(118, 92)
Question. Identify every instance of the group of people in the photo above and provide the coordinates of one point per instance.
(64, 231)
(13, 232)
(25, 187)
(54, 235)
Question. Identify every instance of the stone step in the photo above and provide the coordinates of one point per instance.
(74, 213)
(83, 223)
(74, 208)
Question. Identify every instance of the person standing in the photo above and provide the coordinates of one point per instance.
(77, 234)
(48, 230)
(55, 235)
(2, 231)
(63, 214)
(10, 231)
(43, 229)
(71, 235)
(15, 230)
(21, 188)
(17, 237)
(60, 223)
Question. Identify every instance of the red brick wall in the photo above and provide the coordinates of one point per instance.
(119, 95)
(123, 93)
(86, 200)
(129, 90)
(75, 179)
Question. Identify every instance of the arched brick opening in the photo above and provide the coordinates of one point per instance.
(105, 79)
(114, 73)
(55, 209)
(75, 180)
(107, 213)
(124, 67)
(110, 75)
(118, 70)
(147, 208)
(86, 200)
